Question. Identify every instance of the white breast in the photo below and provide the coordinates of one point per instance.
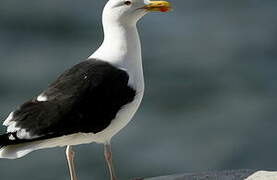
(121, 48)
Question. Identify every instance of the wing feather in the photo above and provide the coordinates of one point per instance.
(84, 98)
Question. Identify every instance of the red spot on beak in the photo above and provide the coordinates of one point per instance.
(164, 9)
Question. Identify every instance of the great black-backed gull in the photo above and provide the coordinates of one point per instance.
(91, 101)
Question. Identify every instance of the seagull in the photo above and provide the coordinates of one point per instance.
(91, 101)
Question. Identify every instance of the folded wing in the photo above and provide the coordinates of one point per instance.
(85, 98)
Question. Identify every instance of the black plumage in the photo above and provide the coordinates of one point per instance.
(85, 98)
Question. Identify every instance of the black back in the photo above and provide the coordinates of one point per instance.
(85, 98)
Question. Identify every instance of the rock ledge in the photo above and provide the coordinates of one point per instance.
(243, 174)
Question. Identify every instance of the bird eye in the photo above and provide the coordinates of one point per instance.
(127, 3)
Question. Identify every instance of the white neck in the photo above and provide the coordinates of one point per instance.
(121, 47)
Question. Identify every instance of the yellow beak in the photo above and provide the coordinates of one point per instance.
(162, 6)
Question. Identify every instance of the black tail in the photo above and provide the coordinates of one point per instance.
(9, 139)
(4, 140)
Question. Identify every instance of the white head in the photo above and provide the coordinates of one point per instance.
(130, 11)
(121, 45)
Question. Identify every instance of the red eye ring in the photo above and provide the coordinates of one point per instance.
(128, 3)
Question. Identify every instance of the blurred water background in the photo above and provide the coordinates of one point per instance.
(211, 85)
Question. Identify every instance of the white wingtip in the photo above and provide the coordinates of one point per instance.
(42, 98)
(12, 127)
(8, 121)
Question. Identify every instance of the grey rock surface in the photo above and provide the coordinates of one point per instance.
(222, 175)
(263, 175)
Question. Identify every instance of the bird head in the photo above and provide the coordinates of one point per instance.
(130, 11)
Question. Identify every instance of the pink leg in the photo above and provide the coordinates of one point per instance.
(70, 161)
(108, 157)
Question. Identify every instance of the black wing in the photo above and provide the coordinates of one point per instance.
(85, 98)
